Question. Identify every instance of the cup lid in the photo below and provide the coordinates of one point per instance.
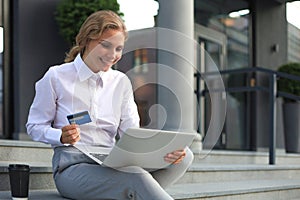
(19, 166)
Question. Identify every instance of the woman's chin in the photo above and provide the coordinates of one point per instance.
(105, 68)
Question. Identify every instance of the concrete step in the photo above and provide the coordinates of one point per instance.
(39, 155)
(36, 195)
(213, 175)
(204, 173)
(29, 151)
(35, 154)
(245, 157)
(25, 151)
(238, 190)
(40, 176)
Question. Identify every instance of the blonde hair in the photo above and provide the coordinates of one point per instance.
(92, 28)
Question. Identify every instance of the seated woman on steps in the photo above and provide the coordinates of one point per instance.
(87, 69)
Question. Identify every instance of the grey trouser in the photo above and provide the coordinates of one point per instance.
(78, 177)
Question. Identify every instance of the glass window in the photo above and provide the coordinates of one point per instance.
(292, 14)
(1, 75)
(1, 81)
(231, 19)
(228, 20)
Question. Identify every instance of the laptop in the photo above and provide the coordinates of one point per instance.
(141, 147)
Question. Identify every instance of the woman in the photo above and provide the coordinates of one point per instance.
(87, 82)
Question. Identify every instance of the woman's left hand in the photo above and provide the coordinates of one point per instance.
(175, 157)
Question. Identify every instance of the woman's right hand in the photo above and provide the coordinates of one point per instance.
(70, 134)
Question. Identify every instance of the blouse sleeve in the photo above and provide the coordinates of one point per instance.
(129, 113)
(42, 111)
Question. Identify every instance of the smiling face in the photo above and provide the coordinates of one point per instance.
(101, 53)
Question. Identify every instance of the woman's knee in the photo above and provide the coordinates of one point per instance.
(133, 170)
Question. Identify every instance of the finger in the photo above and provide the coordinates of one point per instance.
(179, 152)
(168, 160)
(70, 136)
(173, 161)
(175, 157)
(180, 155)
(171, 157)
(183, 154)
(178, 160)
(176, 154)
(69, 132)
(73, 141)
(70, 127)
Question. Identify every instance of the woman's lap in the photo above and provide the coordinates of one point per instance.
(78, 177)
(92, 181)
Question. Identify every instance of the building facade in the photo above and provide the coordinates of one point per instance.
(200, 33)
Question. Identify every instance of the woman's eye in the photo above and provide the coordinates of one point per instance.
(109, 45)
(119, 49)
(105, 45)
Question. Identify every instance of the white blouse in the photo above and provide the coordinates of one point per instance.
(72, 87)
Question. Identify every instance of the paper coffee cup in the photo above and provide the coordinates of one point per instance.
(19, 181)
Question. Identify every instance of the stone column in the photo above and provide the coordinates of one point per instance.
(175, 74)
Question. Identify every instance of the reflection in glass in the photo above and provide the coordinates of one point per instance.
(1, 82)
(231, 20)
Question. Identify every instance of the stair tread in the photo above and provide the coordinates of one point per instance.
(35, 195)
(34, 166)
(22, 143)
(240, 167)
(195, 167)
(197, 190)
(191, 190)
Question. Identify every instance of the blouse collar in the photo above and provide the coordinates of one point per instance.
(84, 72)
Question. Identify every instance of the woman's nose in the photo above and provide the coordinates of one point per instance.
(112, 54)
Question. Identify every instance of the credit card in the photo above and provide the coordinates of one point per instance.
(79, 118)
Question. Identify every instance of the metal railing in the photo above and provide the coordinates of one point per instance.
(271, 89)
